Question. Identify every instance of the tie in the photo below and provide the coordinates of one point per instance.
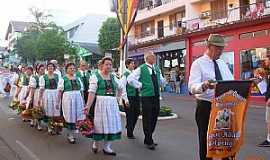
(153, 71)
(217, 71)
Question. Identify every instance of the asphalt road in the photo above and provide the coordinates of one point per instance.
(177, 138)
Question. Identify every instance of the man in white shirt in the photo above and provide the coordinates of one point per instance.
(148, 79)
(204, 71)
(131, 99)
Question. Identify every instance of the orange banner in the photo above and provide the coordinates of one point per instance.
(227, 118)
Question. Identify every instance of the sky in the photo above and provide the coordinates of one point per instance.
(63, 11)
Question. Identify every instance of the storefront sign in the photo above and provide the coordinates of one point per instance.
(226, 124)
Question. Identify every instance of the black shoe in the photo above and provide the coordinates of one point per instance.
(151, 147)
(94, 150)
(155, 144)
(109, 153)
(264, 144)
(131, 137)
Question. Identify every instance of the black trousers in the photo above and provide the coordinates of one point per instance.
(202, 116)
(150, 112)
(85, 96)
(132, 114)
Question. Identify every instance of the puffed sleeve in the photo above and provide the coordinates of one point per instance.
(118, 82)
(42, 82)
(61, 84)
(93, 81)
(32, 82)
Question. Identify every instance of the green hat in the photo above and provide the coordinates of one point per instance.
(216, 40)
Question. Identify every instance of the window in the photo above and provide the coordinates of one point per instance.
(218, 9)
(147, 29)
(174, 18)
(250, 60)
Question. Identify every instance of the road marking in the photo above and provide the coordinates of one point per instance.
(27, 150)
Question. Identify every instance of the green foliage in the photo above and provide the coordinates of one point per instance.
(43, 41)
(109, 37)
(165, 111)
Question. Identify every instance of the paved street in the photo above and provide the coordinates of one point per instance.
(177, 138)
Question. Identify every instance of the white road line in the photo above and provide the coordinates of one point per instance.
(27, 150)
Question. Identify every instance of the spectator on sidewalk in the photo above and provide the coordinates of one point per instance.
(206, 68)
(266, 143)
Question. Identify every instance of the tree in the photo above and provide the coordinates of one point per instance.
(43, 41)
(109, 37)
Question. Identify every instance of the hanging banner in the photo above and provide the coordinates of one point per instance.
(227, 119)
(126, 11)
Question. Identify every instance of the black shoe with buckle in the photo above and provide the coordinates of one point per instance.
(94, 150)
(109, 153)
(264, 144)
(151, 146)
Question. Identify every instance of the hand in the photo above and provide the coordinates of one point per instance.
(268, 103)
(208, 85)
(126, 104)
(86, 110)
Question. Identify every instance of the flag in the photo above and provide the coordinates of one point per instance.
(227, 119)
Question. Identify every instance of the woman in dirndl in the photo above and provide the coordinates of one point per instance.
(14, 82)
(71, 88)
(33, 97)
(48, 99)
(107, 123)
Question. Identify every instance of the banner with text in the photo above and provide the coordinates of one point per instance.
(227, 119)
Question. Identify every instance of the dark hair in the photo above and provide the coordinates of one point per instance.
(39, 66)
(128, 61)
(51, 64)
(30, 68)
(105, 59)
(69, 64)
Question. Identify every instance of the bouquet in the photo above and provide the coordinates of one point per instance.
(37, 112)
(56, 124)
(14, 104)
(27, 114)
(21, 108)
(86, 127)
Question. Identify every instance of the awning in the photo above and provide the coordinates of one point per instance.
(161, 48)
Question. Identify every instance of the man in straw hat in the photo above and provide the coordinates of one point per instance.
(148, 79)
(204, 70)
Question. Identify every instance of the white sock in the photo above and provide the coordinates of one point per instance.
(107, 146)
(95, 144)
(268, 137)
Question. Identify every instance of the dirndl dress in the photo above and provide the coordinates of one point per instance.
(50, 94)
(14, 84)
(107, 121)
(72, 101)
(24, 82)
(34, 83)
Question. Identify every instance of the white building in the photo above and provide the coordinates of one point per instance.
(85, 29)
(15, 29)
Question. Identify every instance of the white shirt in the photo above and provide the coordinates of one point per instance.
(123, 81)
(203, 69)
(133, 78)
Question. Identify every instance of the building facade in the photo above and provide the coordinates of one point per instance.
(244, 23)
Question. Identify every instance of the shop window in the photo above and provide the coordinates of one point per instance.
(250, 60)
(228, 58)
(246, 35)
(260, 33)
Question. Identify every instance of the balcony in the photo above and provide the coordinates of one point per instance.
(149, 9)
(207, 20)
(231, 16)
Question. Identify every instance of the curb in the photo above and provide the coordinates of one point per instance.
(174, 116)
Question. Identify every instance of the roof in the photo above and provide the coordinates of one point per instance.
(91, 47)
(17, 26)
